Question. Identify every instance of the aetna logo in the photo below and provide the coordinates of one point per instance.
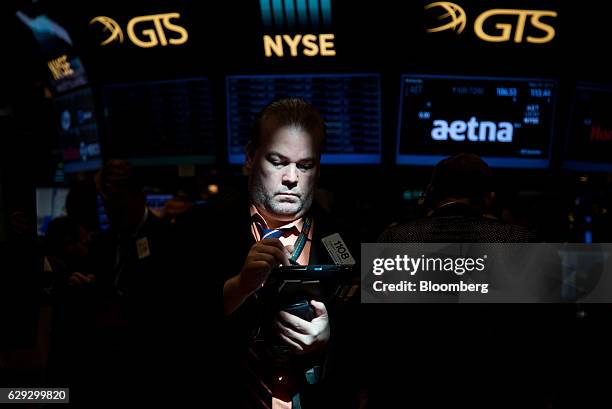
(472, 131)
(600, 135)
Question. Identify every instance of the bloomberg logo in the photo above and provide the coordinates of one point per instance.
(472, 131)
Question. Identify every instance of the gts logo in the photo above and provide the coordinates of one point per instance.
(484, 131)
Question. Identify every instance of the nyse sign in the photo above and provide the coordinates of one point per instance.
(60, 67)
(145, 31)
(309, 45)
(301, 30)
(495, 25)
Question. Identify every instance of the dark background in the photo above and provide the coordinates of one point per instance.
(385, 37)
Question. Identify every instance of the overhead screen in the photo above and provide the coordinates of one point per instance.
(349, 103)
(507, 121)
(78, 130)
(65, 68)
(589, 143)
(160, 123)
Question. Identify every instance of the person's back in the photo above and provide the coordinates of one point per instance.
(456, 223)
(492, 340)
(458, 200)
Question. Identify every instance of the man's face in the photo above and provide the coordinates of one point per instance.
(115, 202)
(124, 208)
(283, 172)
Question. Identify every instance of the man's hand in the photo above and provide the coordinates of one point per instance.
(262, 258)
(303, 336)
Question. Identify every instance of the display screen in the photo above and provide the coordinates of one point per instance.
(589, 143)
(506, 121)
(65, 69)
(78, 131)
(160, 123)
(350, 105)
(50, 204)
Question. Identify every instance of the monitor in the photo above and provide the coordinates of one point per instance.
(78, 131)
(506, 121)
(160, 123)
(65, 69)
(50, 204)
(589, 141)
(349, 103)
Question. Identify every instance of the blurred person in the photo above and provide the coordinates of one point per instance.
(69, 284)
(22, 344)
(66, 252)
(458, 200)
(82, 205)
(136, 239)
(175, 207)
(491, 340)
(133, 271)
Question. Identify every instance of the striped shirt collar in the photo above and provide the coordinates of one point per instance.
(293, 227)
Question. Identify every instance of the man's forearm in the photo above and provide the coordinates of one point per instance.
(233, 295)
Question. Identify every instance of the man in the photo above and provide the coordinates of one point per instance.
(496, 339)
(137, 240)
(277, 224)
(283, 164)
(459, 199)
(135, 285)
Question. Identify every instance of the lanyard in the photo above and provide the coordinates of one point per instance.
(301, 240)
